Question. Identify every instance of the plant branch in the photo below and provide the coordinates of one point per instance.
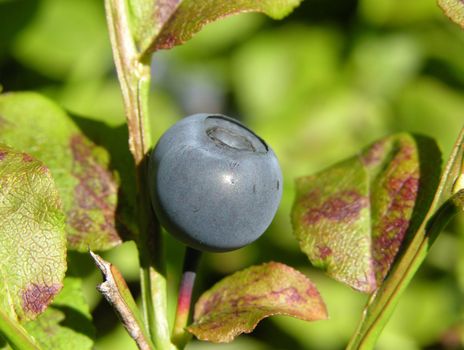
(179, 335)
(134, 77)
(15, 334)
(381, 304)
(116, 292)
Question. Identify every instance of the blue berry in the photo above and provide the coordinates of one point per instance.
(215, 185)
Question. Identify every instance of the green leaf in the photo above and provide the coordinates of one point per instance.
(352, 218)
(95, 208)
(67, 323)
(236, 304)
(33, 249)
(163, 24)
(454, 9)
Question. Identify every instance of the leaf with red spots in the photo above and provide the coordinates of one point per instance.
(96, 207)
(434, 215)
(67, 322)
(33, 243)
(454, 9)
(163, 24)
(236, 304)
(352, 218)
(331, 217)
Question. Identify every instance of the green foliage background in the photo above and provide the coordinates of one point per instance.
(318, 86)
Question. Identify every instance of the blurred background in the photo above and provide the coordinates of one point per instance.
(329, 79)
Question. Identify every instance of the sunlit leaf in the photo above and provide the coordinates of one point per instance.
(33, 244)
(236, 304)
(67, 323)
(162, 24)
(454, 9)
(332, 219)
(352, 218)
(95, 207)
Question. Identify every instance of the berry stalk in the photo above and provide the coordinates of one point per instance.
(180, 336)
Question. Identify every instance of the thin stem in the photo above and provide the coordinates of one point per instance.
(15, 334)
(116, 292)
(153, 281)
(134, 77)
(382, 303)
(179, 335)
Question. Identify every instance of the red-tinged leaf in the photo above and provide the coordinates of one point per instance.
(352, 218)
(33, 241)
(331, 218)
(236, 304)
(163, 24)
(454, 9)
(95, 206)
(394, 186)
(434, 215)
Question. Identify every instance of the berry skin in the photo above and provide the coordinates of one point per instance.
(214, 184)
